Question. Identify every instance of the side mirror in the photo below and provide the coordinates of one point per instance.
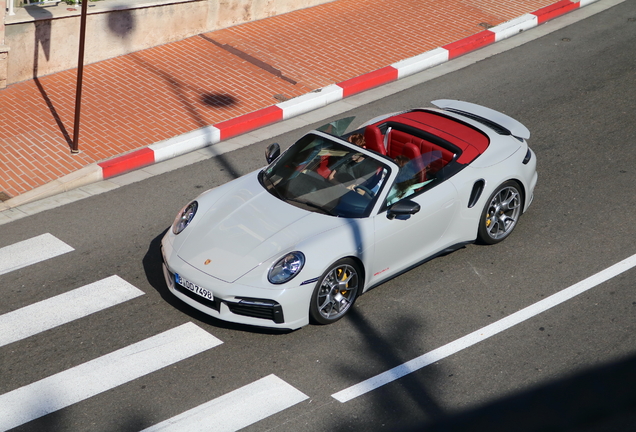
(403, 210)
(272, 152)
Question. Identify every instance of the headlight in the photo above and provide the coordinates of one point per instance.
(286, 268)
(184, 217)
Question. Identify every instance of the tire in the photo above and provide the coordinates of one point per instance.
(501, 213)
(336, 291)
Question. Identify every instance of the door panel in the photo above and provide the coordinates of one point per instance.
(402, 243)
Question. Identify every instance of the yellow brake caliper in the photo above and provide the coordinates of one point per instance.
(488, 221)
(341, 276)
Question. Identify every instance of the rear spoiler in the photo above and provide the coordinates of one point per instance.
(500, 122)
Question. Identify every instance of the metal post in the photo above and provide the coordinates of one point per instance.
(80, 73)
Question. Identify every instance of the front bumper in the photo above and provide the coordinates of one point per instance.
(285, 308)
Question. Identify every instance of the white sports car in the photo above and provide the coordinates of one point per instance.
(336, 215)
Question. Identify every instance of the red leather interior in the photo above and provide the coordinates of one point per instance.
(323, 168)
(400, 143)
(404, 143)
(469, 140)
(374, 140)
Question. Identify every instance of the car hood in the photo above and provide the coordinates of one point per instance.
(246, 227)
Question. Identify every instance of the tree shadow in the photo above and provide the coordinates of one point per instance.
(598, 399)
(122, 23)
(56, 422)
(601, 398)
(218, 100)
(179, 89)
(52, 422)
(382, 348)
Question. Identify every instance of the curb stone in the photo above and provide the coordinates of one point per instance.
(210, 135)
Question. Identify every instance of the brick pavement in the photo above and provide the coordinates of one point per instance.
(141, 98)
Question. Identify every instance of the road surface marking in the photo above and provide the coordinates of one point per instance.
(31, 251)
(483, 333)
(64, 308)
(237, 409)
(104, 373)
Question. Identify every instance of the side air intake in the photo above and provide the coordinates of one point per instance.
(478, 188)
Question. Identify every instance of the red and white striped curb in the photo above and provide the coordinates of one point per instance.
(210, 135)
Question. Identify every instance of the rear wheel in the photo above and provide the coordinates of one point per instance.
(335, 292)
(501, 213)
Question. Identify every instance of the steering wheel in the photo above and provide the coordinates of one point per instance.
(364, 189)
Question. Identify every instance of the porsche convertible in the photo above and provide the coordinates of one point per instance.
(337, 213)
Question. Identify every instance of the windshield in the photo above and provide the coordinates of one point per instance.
(323, 176)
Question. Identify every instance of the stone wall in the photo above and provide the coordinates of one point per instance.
(45, 39)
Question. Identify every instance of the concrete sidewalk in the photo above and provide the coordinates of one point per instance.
(155, 104)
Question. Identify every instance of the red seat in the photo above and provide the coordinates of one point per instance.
(373, 139)
(400, 143)
(323, 168)
(411, 146)
(447, 155)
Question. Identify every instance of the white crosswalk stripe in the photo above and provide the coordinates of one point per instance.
(237, 409)
(30, 252)
(65, 308)
(104, 373)
(232, 411)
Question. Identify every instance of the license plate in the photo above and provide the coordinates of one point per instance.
(193, 287)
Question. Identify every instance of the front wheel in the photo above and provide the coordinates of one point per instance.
(501, 213)
(335, 292)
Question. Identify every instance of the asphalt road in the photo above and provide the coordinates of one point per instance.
(572, 367)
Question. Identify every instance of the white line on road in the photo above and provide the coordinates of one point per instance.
(65, 308)
(31, 251)
(104, 373)
(483, 333)
(237, 409)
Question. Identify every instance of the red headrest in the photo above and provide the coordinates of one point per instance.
(374, 140)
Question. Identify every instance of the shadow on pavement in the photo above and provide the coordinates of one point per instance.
(216, 100)
(599, 399)
(54, 422)
(382, 348)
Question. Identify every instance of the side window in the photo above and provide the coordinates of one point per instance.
(413, 176)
